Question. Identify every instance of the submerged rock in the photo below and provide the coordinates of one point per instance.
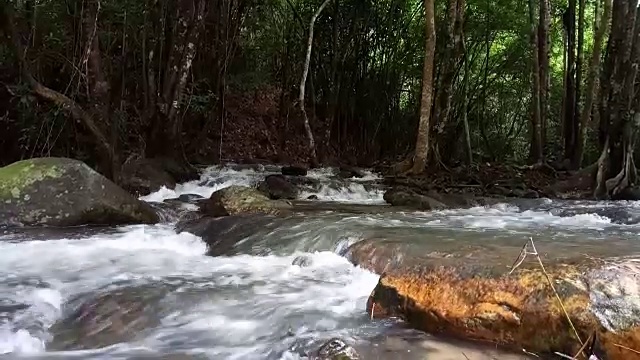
(351, 172)
(110, 318)
(432, 200)
(235, 200)
(278, 187)
(466, 290)
(295, 170)
(413, 200)
(335, 349)
(65, 192)
(302, 261)
(223, 234)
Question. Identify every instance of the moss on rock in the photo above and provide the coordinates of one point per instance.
(237, 200)
(14, 178)
(65, 192)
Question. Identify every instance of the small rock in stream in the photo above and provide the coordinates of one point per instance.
(294, 170)
(335, 349)
(302, 261)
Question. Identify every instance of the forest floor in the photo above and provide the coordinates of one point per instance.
(255, 132)
(494, 179)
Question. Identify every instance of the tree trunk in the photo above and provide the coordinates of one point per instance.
(426, 100)
(545, 74)
(105, 152)
(443, 123)
(167, 126)
(575, 164)
(620, 116)
(536, 134)
(465, 109)
(569, 19)
(303, 81)
(593, 74)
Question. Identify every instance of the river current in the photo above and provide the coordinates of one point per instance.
(253, 302)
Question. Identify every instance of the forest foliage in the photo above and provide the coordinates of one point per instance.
(105, 81)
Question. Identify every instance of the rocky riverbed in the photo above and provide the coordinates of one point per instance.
(283, 285)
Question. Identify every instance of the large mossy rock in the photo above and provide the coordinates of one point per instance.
(467, 290)
(65, 192)
(238, 200)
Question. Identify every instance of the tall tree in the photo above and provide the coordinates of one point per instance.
(578, 97)
(592, 77)
(536, 126)
(303, 82)
(544, 56)
(422, 142)
(443, 133)
(620, 104)
(569, 22)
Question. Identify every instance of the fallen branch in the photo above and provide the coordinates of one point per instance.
(7, 20)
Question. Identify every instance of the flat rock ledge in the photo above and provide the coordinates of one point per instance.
(475, 298)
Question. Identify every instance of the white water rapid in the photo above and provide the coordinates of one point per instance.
(252, 303)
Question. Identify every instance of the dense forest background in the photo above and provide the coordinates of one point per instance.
(543, 82)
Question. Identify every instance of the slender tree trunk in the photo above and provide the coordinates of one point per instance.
(442, 122)
(465, 109)
(536, 134)
(592, 77)
(545, 74)
(426, 100)
(578, 97)
(188, 23)
(570, 89)
(303, 81)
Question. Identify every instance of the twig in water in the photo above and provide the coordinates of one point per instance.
(590, 340)
(373, 305)
(530, 353)
(520, 260)
(627, 348)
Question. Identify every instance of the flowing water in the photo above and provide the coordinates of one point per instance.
(251, 301)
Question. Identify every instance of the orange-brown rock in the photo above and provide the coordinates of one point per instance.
(466, 290)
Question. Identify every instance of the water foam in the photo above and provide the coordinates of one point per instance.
(39, 276)
(216, 177)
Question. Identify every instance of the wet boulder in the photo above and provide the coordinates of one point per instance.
(294, 170)
(412, 199)
(278, 187)
(478, 290)
(432, 200)
(144, 176)
(223, 234)
(302, 261)
(335, 349)
(65, 192)
(348, 172)
(110, 318)
(236, 200)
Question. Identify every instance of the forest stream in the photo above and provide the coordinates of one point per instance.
(255, 298)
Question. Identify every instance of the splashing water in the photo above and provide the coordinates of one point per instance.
(255, 301)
